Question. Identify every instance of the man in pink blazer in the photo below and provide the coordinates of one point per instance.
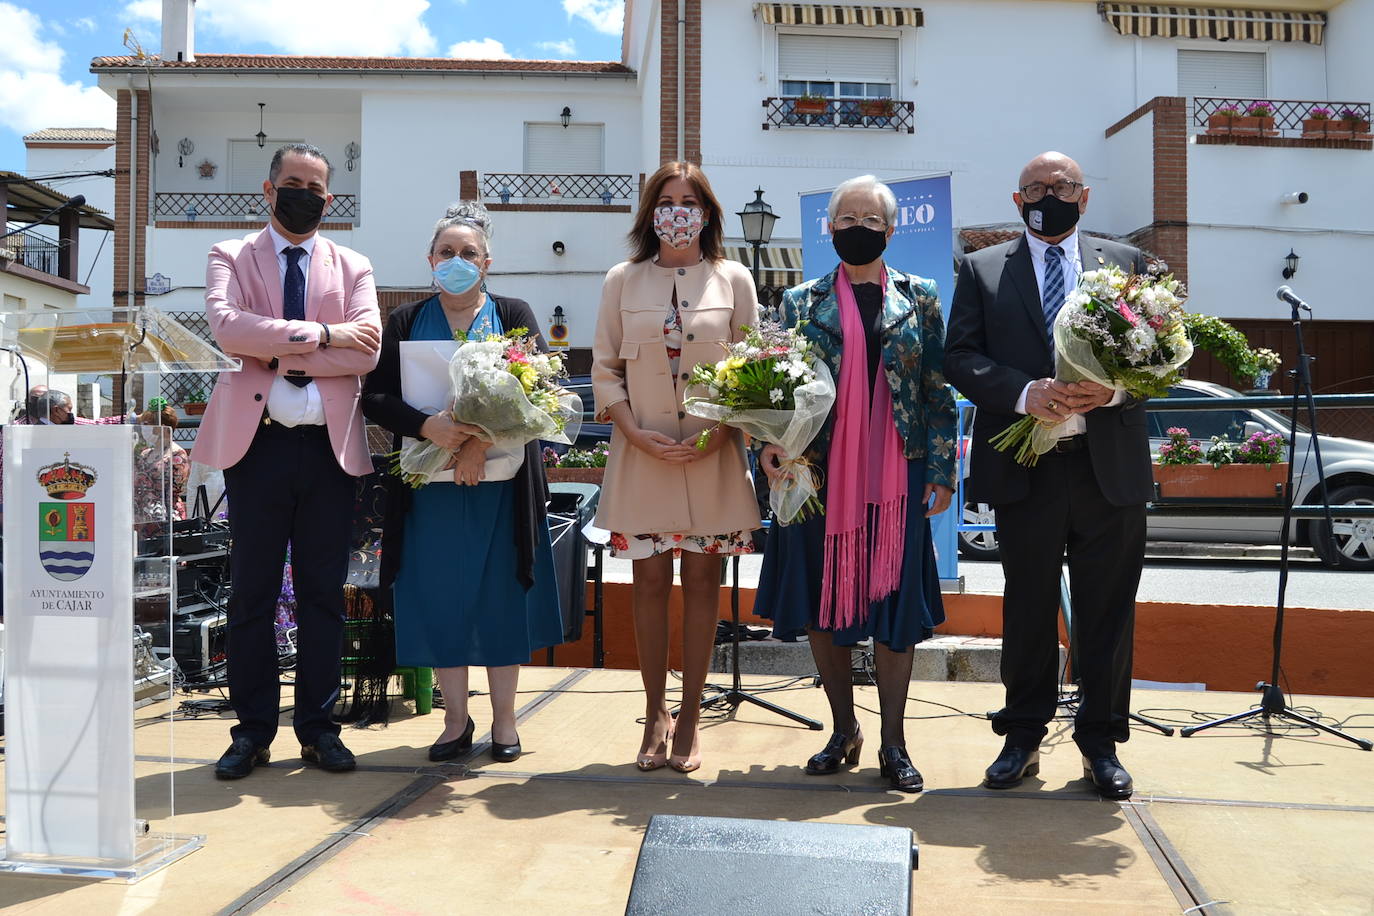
(301, 312)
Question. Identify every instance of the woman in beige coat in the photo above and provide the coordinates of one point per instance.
(674, 304)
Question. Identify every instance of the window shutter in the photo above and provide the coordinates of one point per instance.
(837, 57)
(577, 149)
(1222, 74)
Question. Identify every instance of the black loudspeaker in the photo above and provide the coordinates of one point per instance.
(696, 866)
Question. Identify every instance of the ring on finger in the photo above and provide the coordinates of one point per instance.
(1054, 405)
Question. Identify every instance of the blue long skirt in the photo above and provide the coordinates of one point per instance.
(458, 601)
(790, 582)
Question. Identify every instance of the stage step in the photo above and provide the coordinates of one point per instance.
(941, 658)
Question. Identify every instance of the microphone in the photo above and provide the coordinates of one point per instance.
(1286, 294)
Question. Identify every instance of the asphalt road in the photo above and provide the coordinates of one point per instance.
(1191, 574)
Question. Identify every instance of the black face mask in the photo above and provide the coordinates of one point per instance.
(859, 245)
(1050, 216)
(298, 210)
(70, 421)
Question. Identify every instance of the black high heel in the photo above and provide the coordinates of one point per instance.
(506, 753)
(894, 763)
(447, 750)
(840, 747)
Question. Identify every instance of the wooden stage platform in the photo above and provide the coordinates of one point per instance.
(1227, 821)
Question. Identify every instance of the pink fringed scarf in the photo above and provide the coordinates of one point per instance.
(866, 480)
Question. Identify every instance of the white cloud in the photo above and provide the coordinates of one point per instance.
(485, 49)
(85, 24)
(606, 16)
(564, 48)
(362, 27)
(33, 94)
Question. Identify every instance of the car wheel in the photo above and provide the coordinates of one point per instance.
(1351, 544)
(978, 545)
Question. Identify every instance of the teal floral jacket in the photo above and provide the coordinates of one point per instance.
(913, 352)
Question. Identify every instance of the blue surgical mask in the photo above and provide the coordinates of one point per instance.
(456, 275)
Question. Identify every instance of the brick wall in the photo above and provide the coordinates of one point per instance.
(131, 217)
(691, 87)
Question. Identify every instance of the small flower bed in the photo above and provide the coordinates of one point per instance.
(594, 457)
(1261, 448)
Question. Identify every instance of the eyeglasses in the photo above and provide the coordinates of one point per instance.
(876, 223)
(1063, 189)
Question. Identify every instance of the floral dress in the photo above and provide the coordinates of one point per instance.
(644, 546)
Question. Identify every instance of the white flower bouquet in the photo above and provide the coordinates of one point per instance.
(506, 388)
(1123, 331)
(771, 386)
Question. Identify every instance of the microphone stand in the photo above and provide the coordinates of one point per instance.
(1272, 703)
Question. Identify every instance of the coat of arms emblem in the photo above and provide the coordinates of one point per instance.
(66, 529)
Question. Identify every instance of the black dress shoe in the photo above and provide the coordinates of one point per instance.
(840, 747)
(894, 763)
(1108, 776)
(1011, 766)
(329, 753)
(447, 750)
(239, 760)
(505, 753)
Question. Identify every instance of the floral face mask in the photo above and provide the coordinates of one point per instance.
(678, 226)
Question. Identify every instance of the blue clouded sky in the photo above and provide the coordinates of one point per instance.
(45, 78)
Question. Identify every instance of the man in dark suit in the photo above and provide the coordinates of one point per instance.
(1085, 497)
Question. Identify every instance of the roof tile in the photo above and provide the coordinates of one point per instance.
(49, 134)
(232, 62)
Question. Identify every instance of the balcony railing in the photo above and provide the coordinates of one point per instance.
(225, 207)
(34, 251)
(864, 114)
(1291, 119)
(550, 188)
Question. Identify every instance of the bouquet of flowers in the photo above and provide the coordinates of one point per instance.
(1124, 331)
(505, 387)
(774, 388)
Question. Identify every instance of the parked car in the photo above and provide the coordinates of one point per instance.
(591, 432)
(1348, 463)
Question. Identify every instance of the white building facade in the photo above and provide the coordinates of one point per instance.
(974, 88)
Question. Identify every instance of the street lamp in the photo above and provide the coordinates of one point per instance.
(757, 218)
(262, 136)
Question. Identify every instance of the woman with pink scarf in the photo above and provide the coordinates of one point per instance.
(865, 569)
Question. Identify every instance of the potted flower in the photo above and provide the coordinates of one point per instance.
(1259, 118)
(1358, 119)
(1223, 120)
(810, 104)
(1252, 470)
(577, 465)
(194, 404)
(1318, 125)
(876, 108)
(1267, 363)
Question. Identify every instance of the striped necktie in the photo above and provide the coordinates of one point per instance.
(1052, 299)
(293, 300)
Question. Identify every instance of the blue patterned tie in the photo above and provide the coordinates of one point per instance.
(1052, 300)
(293, 300)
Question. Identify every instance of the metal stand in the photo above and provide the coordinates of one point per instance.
(1068, 699)
(1272, 702)
(735, 694)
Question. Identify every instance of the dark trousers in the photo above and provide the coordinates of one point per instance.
(287, 489)
(1105, 544)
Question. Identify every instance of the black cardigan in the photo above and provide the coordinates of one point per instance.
(382, 404)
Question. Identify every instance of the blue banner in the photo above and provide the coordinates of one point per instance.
(923, 244)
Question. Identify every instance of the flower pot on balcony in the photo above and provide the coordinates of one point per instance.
(876, 108)
(194, 409)
(1230, 481)
(1218, 123)
(1264, 126)
(1325, 129)
(810, 106)
(1359, 130)
(575, 475)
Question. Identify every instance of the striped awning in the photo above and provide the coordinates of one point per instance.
(1214, 22)
(838, 14)
(778, 266)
